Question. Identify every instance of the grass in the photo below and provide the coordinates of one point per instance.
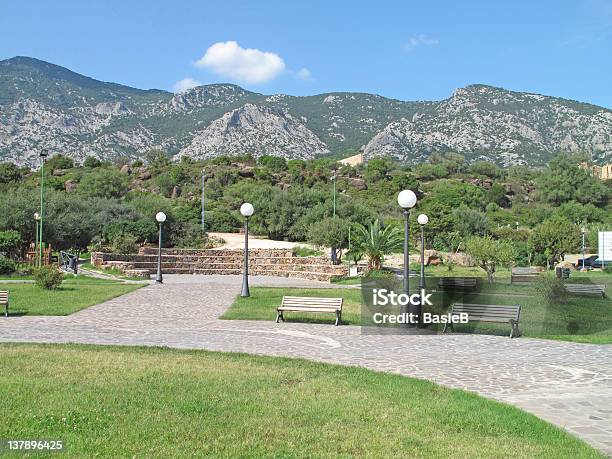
(155, 402)
(583, 319)
(75, 293)
(110, 271)
(262, 303)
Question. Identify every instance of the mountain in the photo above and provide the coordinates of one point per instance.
(45, 106)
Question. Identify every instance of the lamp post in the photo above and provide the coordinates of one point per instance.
(583, 231)
(407, 200)
(37, 220)
(246, 210)
(161, 218)
(333, 256)
(423, 220)
(43, 156)
(517, 225)
(203, 170)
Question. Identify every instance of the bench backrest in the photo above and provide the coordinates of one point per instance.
(457, 281)
(488, 312)
(312, 302)
(585, 287)
(4, 296)
(523, 270)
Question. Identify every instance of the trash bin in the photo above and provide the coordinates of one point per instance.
(562, 273)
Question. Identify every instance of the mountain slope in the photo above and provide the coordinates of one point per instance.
(45, 106)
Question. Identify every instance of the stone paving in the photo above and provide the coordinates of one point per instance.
(568, 384)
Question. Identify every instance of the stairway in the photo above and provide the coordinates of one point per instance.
(265, 262)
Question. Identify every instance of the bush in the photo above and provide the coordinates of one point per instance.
(190, 236)
(301, 251)
(7, 266)
(124, 244)
(551, 289)
(48, 277)
(607, 269)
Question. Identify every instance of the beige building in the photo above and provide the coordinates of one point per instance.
(601, 172)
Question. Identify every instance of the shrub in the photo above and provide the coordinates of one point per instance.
(551, 289)
(124, 244)
(7, 266)
(301, 251)
(190, 236)
(48, 277)
(607, 269)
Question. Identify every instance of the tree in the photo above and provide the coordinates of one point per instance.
(485, 168)
(60, 162)
(330, 232)
(554, 238)
(104, 183)
(9, 172)
(273, 163)
(10, 242)
(376, 242)
(565, 181)
(470, 222)
(489, 253)
(92, 162)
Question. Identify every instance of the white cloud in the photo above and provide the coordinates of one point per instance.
(245, 65)
(420, 40)
(185, 85)
(303, 74)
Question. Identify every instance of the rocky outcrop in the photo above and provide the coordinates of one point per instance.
(255, 130)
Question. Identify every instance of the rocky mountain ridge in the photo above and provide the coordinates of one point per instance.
(44, 106)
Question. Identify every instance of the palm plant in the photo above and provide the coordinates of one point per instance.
(376, 241)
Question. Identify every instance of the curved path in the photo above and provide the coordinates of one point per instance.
(568, 384)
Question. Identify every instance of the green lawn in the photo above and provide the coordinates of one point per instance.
(262, 303)
(75, 293)
(582, 319)
(155, 402)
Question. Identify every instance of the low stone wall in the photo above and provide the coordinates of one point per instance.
(271, 262)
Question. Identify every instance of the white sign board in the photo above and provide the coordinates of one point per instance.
(605, 246)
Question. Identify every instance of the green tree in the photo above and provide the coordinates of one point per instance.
(60, 162)
(330, 232)
(92, 162)
(104, 183)
(9, 172)
(565, 181)
(10, 242)
(555, 237)
(489, 253)
(470, 222)
(376, 241)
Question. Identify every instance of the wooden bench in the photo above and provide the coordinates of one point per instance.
(310, 304)
(523, 275)
(503, 314)
(457, 283)
(4, 301)
(586, 289)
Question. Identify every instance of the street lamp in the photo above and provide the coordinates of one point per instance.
(161, 218)
(517, 225)
(203, 170)
(43, 156)
(37, 219)
(246, 210)
(423, 220)
(334, 258)
(407, 200)
(583, 231)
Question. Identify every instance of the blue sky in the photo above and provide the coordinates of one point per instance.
(405, 49)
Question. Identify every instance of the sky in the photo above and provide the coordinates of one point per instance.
(406, 50)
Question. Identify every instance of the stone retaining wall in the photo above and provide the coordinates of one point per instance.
(271, 262)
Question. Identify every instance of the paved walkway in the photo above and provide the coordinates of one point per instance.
(568, 384)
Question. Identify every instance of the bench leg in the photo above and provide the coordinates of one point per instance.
(338, 317)
(447, 326)
(279, 316)
(6, 310)
(514, 332)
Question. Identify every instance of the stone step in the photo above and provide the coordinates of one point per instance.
(187, 267)
(325, 277)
